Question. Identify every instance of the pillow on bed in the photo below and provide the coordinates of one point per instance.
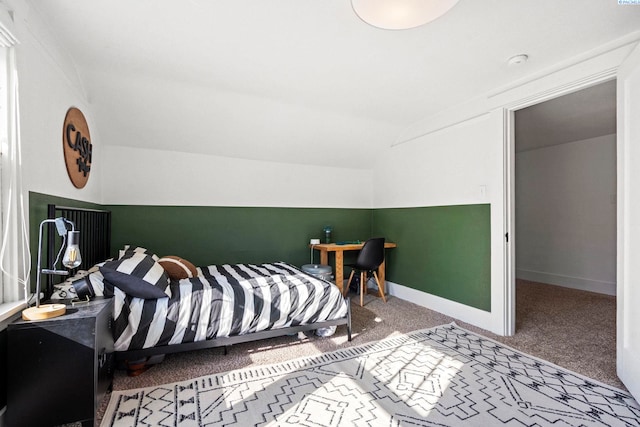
(138, 275)
(128, 249)
(177, 268)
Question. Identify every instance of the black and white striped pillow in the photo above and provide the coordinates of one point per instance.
(128, 249)
(137, 274)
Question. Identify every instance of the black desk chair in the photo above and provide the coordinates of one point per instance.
(369, 259)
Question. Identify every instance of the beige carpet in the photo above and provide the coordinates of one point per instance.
(573, 329)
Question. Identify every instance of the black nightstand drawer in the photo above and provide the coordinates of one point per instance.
(60, 369)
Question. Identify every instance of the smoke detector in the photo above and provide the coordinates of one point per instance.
(518, 59)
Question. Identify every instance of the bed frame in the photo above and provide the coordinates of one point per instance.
(133, 355)
(95, 246)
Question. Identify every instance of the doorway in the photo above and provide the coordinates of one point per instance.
(564, 204)
(565, 190)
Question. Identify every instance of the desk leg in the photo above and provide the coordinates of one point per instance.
(324, 257)
(381, 277)
(340, 270)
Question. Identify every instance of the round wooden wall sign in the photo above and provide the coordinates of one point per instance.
(76, 143)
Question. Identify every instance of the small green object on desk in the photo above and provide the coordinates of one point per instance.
(349, 242)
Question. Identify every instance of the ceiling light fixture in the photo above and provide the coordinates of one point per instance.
(400, 14)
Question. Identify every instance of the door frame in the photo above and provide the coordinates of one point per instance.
(628, 338)
(509, 316)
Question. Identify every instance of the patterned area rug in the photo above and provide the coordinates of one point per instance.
(445, 376)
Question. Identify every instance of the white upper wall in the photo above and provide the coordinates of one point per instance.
(452, 166)
(155, 177)
(566, 214)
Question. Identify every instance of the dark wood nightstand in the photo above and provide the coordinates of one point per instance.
(60, 369)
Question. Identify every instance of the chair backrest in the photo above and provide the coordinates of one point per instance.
(371, 255)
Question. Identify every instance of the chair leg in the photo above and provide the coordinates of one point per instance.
(380, 291)
(345, 289)
(363, 287)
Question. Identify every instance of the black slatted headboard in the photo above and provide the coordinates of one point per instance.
(95, 237)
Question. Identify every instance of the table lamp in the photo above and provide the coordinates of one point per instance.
(70, 259)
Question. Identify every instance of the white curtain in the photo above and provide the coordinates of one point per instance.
(14, 249)
(7, 39)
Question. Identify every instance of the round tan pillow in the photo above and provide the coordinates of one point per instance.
(177, 268)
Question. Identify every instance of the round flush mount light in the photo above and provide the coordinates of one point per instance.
(518, 59)
(400, 14)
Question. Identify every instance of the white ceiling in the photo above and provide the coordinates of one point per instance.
(585, 114)
(304, 81)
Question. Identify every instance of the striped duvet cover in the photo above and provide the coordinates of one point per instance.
(225, 300)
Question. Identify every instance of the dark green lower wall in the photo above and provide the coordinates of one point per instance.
(217, 235)
(442, 250)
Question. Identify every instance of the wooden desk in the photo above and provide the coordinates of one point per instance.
(325, 248)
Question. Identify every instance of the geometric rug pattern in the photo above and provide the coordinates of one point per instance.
(444, 376)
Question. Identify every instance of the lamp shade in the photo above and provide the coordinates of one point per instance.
(400, 14)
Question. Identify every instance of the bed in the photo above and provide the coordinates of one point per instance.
(214, 306)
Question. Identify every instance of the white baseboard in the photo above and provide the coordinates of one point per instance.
(465, 313)
(601, 287)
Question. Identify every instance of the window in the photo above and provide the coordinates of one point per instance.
(14, 248)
